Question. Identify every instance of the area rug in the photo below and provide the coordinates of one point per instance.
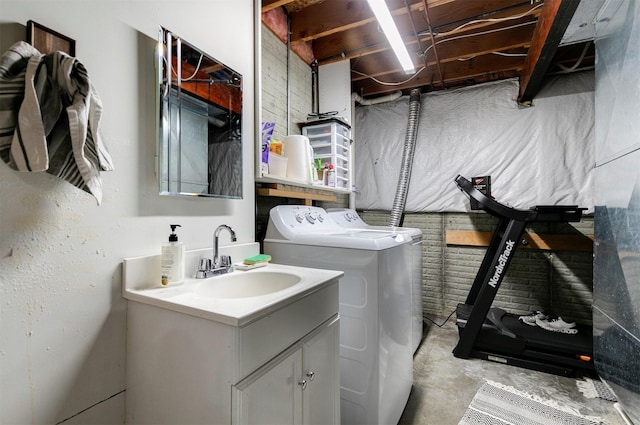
(499, 404)
(592, 388)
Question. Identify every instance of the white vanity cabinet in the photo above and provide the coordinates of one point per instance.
(298, 387)
(189, 363)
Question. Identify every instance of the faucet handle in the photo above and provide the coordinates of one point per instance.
(203, 268)
(205, 264)
(225, 260)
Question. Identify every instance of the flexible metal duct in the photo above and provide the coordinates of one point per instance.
(407, 159)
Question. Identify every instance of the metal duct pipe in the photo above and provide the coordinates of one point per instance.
(366, 102)
(315, 89)
(407, 160)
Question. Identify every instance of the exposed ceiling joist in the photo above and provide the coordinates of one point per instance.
(476, 41)
(552, 24)
(268, 5)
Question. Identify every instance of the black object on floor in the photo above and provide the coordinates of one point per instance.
(493, 334)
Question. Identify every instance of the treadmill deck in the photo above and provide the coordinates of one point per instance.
(531, 342)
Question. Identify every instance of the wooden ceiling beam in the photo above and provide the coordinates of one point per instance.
(361, 40)
(374, 65)
(446, 16)
(367, 39)
(552, 24)
(268, 5)
(462, 49)
(492, 42)
(335, 16)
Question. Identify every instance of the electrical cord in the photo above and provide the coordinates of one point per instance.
(578, 62)
(513, 55)
(388, 83)
(443, 323)
(477, 34)
(424, 53)
(385, 83)
(479, 21)
(173, 72)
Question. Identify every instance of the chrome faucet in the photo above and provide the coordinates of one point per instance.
(217, 262)
(221, 264)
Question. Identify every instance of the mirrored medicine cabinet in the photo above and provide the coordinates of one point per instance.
(200, 128)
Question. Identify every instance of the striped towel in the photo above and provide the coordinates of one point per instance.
(50, 116)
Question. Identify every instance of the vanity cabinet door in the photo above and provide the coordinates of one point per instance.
(300, 386)
(271, 395)
(321, 371)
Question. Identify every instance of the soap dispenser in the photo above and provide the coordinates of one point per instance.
(172, 259)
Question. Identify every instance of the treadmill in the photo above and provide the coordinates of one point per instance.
(492, 333)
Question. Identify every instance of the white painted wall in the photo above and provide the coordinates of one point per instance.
(62, 329)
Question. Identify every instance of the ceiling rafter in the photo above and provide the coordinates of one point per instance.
(489, 43)
(268, 5)
(366, 39)
(434, 46)
(470, 38)
(552, 24)
(336, 16)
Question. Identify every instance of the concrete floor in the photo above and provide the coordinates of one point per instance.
(443, 385)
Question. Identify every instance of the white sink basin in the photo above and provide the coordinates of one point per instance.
(237, 299)
(245, 284)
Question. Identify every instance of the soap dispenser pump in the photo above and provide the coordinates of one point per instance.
(172, 259)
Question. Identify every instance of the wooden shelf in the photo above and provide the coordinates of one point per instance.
(269, 178)
(556, 242)
(287, 191)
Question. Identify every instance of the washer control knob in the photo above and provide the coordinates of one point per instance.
(311, 219)
(299, 218)
(320, 218)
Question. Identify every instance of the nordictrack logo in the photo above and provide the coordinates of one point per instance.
(502, 260)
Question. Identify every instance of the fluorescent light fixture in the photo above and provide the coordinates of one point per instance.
(380, 9)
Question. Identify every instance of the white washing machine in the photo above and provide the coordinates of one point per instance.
(349, 218)
(376, 355)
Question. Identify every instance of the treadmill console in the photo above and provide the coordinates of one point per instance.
(560, 213)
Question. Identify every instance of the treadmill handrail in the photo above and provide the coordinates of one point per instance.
(491, 205)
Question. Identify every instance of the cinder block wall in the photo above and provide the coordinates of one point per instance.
(558, 282)
(274, 86)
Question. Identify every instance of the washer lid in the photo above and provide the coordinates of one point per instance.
(348, 218)
(307, 225)
(373, 241)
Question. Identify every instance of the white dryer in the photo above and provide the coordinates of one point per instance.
(376, 355)
(349, 218)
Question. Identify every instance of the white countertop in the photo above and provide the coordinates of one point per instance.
(234, 311)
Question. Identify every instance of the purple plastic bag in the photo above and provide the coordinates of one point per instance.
(267, 132)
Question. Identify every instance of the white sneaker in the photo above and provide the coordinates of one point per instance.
(531, 319)
(557, 325)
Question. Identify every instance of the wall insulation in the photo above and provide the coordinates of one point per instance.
(541, 155)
